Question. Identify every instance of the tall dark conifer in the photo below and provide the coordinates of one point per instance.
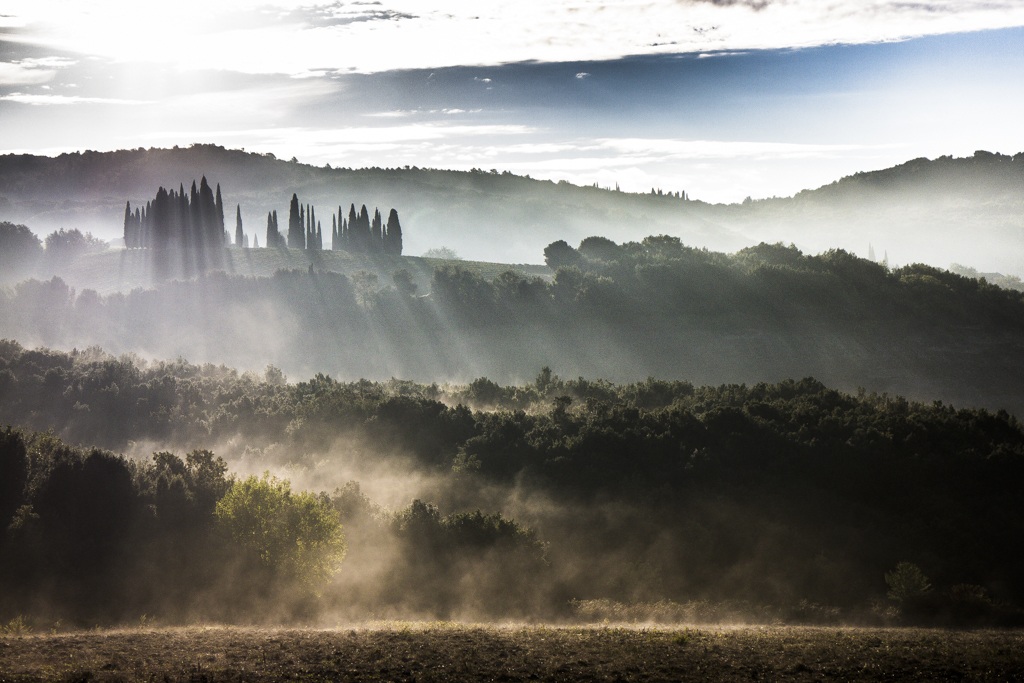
(130, 232)
(355, 242)
(239, 235)
(271, 231)
(393, 240)
(296, 230)
(219, 203)
(377, 232)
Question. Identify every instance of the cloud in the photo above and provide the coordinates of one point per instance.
(720, 149)
(32, 71)
(752, 4)
(63, 100)
(308, 37)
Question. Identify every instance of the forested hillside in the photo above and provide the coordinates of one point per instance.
(938, 211)
(772, 501)
(615, 311)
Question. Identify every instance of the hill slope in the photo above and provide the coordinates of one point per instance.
(968, 211)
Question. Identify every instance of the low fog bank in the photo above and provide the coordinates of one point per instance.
(549, 500)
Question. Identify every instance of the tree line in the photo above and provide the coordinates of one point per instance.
(765, 311)
(193, 224)
(773, 494)
(88, 537)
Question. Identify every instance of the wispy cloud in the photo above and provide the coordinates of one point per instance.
(665, 149)
(32, 71)
(64, 100)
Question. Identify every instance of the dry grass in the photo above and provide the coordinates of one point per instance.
(450, 652)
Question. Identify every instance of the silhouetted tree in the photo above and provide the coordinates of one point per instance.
(239, 235)
(219, 214)
(393, 236)
(132, 227)
(560, 255)
(20, 249)
(377, 232)
(296, 230)
(355, 240)
(274, 238)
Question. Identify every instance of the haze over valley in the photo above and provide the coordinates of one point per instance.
(690, 317)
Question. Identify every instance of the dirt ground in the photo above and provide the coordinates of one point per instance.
(450, 652)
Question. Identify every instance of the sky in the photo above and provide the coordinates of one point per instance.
(723, 99)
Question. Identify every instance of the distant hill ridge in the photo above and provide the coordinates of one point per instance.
(942, 211)
(990, 172)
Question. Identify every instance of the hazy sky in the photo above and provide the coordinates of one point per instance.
(721, 98)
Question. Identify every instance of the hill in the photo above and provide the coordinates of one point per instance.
(943, 211)
(620, 312)
(122, 270)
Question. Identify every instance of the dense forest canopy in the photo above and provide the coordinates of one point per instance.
(787, 499)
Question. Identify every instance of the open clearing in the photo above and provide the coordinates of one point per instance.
(448, 652)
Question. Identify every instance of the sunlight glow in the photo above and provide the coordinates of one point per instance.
(306, 38)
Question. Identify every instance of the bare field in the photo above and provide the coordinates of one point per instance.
(449, 652)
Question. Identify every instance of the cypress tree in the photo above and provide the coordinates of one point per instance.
(393, 244)
(239, 235)
(334, 233)
(319, 238)
(363, 229)
(296, 230)
(354, 241)
(138, 228)
(271, 242)
(147, 237)
(377, 232)
(219, 215)
(129, 227)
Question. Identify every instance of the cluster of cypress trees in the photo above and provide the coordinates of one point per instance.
(356, 233)
(192, 222)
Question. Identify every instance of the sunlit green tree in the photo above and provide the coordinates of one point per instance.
(296, 536)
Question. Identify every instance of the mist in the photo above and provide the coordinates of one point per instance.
(762, 314)
(644, 428)
(561, 501)
(938, 212)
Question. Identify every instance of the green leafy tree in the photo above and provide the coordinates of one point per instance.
(600, 249)
(20, 249)
(296, 536)
(907, 583)
(64, 245)
(560, 255)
